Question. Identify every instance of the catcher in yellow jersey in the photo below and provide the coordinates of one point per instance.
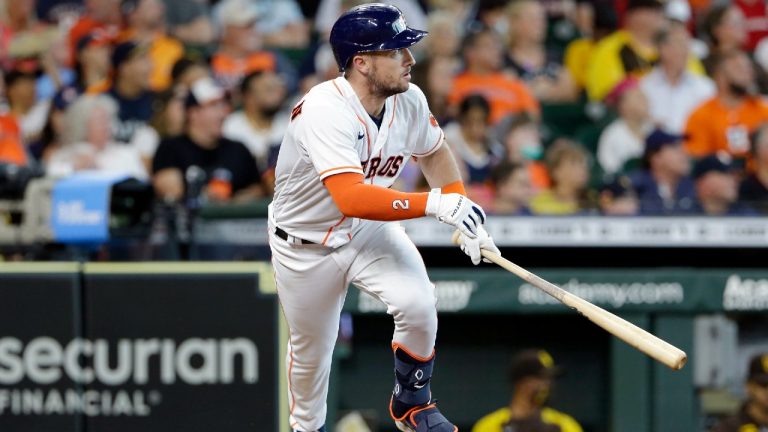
(531, 375)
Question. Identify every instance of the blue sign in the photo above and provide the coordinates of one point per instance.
(80, 207)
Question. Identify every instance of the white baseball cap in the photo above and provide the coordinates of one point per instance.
(237, 13)
(203, 91)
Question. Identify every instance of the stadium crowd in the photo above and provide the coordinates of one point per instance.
(552, 107)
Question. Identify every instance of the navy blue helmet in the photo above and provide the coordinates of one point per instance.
(370, 27)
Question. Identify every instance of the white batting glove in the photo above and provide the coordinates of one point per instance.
(457, 210)
(473, 246)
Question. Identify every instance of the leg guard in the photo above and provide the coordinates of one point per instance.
(411, 406)
(412, 377)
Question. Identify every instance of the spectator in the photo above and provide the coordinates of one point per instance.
(753, 415)
(11, 145)
(579, 51)
(755, 21)
(568, 168)
(664, 185)
(623, 139)
(629, 51)
(618, 197)
(230, 171)
(51, 137)
(88, 143)
(261, 124)
(531, 375)
(527, 55)
(470, 139)
(726, 30)
(444, 35)
(753, 190)
(57, 70)
(483, 57)
(59, 11)
(434, 77)
(187, 70)
(725, 121)
(672, 91)
(22, 37)
(145, 24)
(168, 117)
(717, 187)
(188, 21)
(102, 17)
(513, 190)
(239, 52)
(20, 92)
(130, 88)
(522, 145)
(282, 24)
(92, 64)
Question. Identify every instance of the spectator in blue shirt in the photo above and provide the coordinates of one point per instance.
(717, 187)
(664, 186)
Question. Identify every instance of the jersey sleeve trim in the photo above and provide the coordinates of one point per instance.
(341, 169)
(434, 148)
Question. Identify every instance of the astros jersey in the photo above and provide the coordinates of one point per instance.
(331, 133)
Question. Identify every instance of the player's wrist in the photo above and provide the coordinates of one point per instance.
(433, 202)
(454, 187)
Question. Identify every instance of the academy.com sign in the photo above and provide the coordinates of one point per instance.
(44, 361)
(613, 294)
(745, 294)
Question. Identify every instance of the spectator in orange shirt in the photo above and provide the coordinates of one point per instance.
(725, 121)
(483, 60)
(146, 24)
(239, 51)
(11, 148)
(101, 16)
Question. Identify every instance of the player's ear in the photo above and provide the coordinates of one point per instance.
(362, 63)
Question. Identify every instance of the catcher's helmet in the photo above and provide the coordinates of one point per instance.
(370, 27)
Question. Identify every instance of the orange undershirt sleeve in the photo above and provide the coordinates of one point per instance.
(455, 187)
(356, 199)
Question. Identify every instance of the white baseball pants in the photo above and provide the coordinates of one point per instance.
(312, 282)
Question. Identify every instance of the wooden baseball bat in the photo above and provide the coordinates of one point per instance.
(644, 341)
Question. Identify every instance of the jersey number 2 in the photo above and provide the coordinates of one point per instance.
(401, 204)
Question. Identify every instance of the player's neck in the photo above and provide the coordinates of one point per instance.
(521, 406)
(373, 104)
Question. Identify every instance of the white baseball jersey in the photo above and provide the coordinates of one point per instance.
(331, 133)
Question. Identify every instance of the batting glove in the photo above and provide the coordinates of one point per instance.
(457, 210)
(473, 246)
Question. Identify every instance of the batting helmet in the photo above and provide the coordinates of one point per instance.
(370, 27)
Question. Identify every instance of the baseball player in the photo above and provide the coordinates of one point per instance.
(330, 223)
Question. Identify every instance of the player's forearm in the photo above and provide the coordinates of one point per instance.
(440, 168)
(356, 199)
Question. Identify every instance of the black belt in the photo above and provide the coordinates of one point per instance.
(284, 235)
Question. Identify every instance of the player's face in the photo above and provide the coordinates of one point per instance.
(390, 72)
